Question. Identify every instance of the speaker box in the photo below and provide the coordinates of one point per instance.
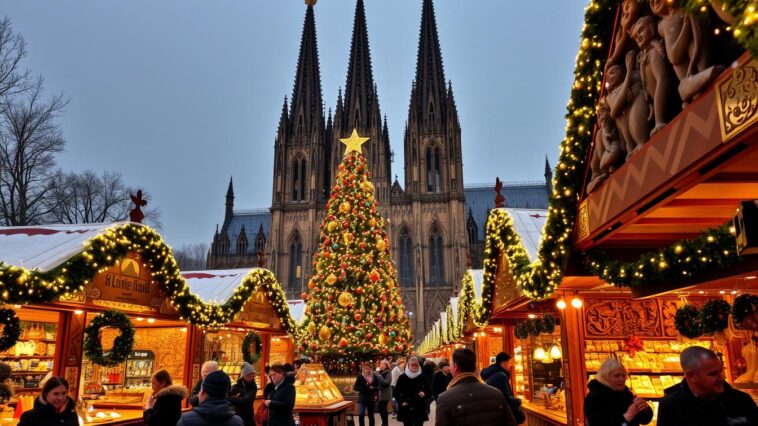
(746, 227)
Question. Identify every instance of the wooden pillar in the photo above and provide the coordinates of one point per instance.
(70, 340)
(193, 355)
(574, 374)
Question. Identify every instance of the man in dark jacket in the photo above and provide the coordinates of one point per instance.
(207, 368)
(441, 379)
(468, 401)
(213, 408)
(703, 397)
(498, 375)
(243, 394)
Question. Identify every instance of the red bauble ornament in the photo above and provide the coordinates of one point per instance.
(357, 317)
(369, 336)
(343, 342)
(359, 290)
(303, 295)
(374, 277)
(314, 346)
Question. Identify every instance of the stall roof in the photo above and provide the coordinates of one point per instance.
(454, 305)
(478, 277)
(46, 247)
(528, 223)
(216, 286)
(297, 309)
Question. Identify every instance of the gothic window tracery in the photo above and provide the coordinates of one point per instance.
(436, 257)
(296, 261)
(405, 259)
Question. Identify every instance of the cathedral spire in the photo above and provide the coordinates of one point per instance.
(229, 202)
(359, 89)
(430, 90)
(284, 118)
(306, 110)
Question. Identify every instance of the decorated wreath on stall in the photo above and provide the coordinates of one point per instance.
(122, 345)
(535, 327)
(687, 321)
(11, 329)
(252, 347)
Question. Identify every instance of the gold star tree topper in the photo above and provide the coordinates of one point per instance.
(353, 143)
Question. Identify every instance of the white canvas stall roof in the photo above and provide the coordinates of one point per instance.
(528, 224)
(297, 309)
(443, 322)
(454, 305)
(46, 247)
(478, 276)
(215, 286)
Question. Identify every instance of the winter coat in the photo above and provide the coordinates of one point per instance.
(468, 401)
(280, 409)
(604, 406)
(440, 381)
(193, 399)
(411, 407)
(242, 398)
(211, 412)
(367, 394)
(385, 391)
(167, 409)
(680, 407)
(499, 378)
(43, 414)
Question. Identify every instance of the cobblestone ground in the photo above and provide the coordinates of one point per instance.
(394, 422)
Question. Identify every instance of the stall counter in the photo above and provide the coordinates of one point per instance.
(537, 414)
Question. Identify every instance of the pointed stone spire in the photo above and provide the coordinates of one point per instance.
(284, 118)
(306, 111)
(229, 202)
(359, 89)
(430, 74)
(548, 177)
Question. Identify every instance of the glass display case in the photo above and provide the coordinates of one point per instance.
(539, 376)
(140, 366)
(315, 388)
(32, 357)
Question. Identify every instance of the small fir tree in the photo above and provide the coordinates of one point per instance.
(352, 306)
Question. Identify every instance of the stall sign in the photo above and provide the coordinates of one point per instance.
(126, 285)
(259, 313)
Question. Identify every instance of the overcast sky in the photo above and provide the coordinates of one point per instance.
(178, 95)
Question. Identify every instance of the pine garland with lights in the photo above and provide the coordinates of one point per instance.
(122, 345)
(249, 354)
(11, 329)
(714, 316)
(467, 303)
(19, 285)
(744, 305)
(687, 321)
(522, 330)
(353, 306)
(685, 259)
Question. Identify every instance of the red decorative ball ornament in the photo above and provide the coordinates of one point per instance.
(343, 342)
(357, 317)
(374, 277)
(369, 336)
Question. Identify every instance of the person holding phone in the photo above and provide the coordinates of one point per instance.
(610, 402)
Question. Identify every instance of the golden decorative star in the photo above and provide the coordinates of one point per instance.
(353, 143)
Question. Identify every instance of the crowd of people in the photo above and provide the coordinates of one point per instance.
(410, 386)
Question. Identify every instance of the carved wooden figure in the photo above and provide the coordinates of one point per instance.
(655, 72)
(631, 10)
(687, 47)
(627, 105)
(609, 152)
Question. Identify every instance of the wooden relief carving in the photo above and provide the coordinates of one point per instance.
(668, 313)
(168, 345)
(737, 100)
(75, 337)
(583, 223)
(620, 318)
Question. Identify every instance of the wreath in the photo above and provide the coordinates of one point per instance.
(522, 331)
(744, 305)
(122, 345)
(687, 321)
(548, 324)
(714, 316)
(535, 326)
(11, 329)
(252, 338)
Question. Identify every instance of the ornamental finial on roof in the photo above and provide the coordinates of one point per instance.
(136, 214)
(499, 198)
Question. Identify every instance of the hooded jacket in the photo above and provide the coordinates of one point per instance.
(491, 375)
(211, 412)
(604, 406)
(167, 409)
(242, 398)
(468, 401)
(43, 414)
(680, 407)
(280, 409)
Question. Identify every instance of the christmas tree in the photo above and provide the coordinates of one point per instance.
(352, 306)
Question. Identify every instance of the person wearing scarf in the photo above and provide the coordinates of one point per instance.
(468, 401)
(411, 391)
(367, 386)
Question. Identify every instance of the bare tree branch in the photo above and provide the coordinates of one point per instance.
(13, 80)
(191, 257)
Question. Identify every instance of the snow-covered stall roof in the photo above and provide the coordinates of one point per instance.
(454, 305)
(478, 277)
(528, 223)
(46, 247)
(297, 309)
(216, 286)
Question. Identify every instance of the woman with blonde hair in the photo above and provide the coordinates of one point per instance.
(610, 402)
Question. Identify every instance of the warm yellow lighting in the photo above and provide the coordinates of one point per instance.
(532, 316)
(561, 304)
(539, 353)
(183, 329)
(151, 320)
(576, 302)
(140, 319)
(78, 312)
(555, 351)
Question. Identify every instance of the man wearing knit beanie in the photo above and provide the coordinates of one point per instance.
(214, 408)
(243, 393)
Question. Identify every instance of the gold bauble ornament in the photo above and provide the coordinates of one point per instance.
(345, 207)
(324, 333)
(311, 328)
(345, 299)
(390, 283)
(380, 244)
(367, 186)
(346, 236)
(332, 226)
(331, 279)
(382, 339)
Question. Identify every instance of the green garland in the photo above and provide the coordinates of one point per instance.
(122, 345)
(548, 324)
(252, 338)
(11, 329)
(714, 316)
(687, 321)
(744, 305)
(521, 331)
(21, 286)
